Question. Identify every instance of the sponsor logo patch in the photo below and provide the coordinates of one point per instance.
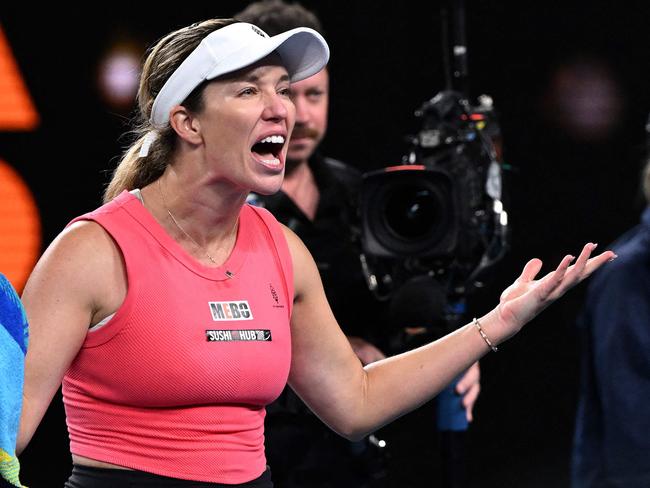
(239, 310)
(248, 335)
(274, 295)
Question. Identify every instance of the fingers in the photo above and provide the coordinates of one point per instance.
(469, 399)
(587, 250)
(471, 377)
(582, 268)
(596, 262)
(585, 265)
(553, 280)
(527, 275)
(530, 270)
(575, 272)
(469, 387)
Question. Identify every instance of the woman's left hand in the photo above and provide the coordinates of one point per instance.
(527, 297)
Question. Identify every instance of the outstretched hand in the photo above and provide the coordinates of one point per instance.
(527, 297)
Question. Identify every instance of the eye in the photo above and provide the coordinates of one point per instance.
(315, 94)
(285, 92)
(248, 91)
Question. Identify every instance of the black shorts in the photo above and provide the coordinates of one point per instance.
(87, 477)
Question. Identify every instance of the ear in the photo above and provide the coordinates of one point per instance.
(186, 125)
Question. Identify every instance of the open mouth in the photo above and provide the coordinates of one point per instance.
(267, 150)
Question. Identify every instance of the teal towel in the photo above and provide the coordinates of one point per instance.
(13, 346)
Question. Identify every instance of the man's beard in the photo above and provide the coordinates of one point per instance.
(301, 132)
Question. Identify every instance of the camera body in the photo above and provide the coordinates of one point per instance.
(409, 210)
(441, 211)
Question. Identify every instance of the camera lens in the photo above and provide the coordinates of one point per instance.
(408, 212)
(411, 212)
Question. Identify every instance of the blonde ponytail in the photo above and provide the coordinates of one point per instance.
(134, 171)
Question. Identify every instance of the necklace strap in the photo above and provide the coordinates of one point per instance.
(171, 215)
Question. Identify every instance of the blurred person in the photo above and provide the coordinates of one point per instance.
(612, 434)
(318, 201)
(175, 312)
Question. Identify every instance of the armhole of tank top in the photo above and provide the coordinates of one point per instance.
(105, 329)
(283, 256)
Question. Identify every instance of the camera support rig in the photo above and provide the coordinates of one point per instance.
(441, 211)
(434, 226)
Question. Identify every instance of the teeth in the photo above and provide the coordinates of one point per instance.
(271, 162)
(274, 139)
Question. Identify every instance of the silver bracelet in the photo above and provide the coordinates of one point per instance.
(485, 338)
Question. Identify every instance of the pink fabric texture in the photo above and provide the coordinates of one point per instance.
(177, 381)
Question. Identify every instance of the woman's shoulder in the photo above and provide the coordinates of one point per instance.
(80, 271)
(83, 252)
(84, 236)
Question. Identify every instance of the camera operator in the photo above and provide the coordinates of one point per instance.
(318, 201)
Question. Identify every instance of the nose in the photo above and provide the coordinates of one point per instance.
(302, 114)
(276, 107)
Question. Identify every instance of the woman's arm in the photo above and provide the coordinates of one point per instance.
(76, 281)
(354, 400)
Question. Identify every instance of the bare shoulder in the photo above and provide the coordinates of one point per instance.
(306, 277)
(82, 264)
(299, 253)
(296, 246)
(80, 248)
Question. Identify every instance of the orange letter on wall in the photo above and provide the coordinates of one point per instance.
(20, 226)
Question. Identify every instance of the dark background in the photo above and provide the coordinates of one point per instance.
(565, 188)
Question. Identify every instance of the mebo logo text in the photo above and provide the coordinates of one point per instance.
(230, 311)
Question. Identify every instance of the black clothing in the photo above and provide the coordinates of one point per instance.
(88, 477)
(611, 443)
(302, 451)
(332, 240)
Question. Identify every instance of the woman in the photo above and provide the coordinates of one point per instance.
(199, 306)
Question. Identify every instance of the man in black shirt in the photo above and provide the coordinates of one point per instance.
(318, 201)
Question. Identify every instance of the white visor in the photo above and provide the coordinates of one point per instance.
(304, 52)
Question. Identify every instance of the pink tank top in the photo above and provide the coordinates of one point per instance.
(176, 382)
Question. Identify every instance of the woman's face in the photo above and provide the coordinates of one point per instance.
(246, 123)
